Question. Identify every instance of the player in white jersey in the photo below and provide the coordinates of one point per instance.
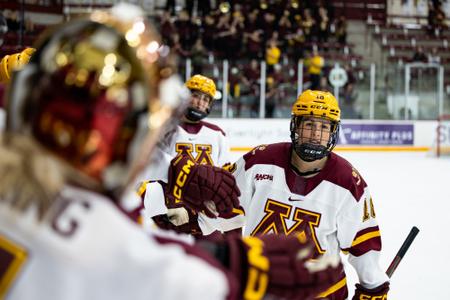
(304, 188)
(73, 145)
(203, 143)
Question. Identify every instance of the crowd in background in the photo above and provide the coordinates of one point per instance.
(248, 29)
(247, 32)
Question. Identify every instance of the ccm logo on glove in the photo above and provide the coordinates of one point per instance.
(181, 178)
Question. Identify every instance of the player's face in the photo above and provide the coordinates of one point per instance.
(200, 100)
(315, 131)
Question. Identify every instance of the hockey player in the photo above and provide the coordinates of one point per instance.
(203, 143)
(304, 188)
(74, 141)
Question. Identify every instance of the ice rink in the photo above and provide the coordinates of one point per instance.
(410, 189)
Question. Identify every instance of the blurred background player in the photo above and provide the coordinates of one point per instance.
(303, 188)
(203, 143)
(82, 119)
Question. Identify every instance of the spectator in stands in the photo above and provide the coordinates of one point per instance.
(235, 39)
(341, 30)
(434, 56)
(250, 80)
(223, 31)
(315, 64)
(272, 97)
(273, 53)
(323, 25)
(178, 48)
(308, 24)
(209, 32)
(324, 85)
(296, 45)
(436, 18)
(235, 81)
(12, 20)
(348, 99)
(419, 55)
(167, 26)
(185, 28)
(268, 25)
(198, 55)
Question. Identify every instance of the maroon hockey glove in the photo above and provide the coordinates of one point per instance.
(378, 293)
(278, 265)
(202, 188)
(191, 227)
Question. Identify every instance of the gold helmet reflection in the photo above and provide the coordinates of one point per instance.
(85, 92)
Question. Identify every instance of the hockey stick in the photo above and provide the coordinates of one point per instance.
(398, 258)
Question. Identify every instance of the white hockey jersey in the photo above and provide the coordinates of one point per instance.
(204, 143)
(87, 249)
(333, 208)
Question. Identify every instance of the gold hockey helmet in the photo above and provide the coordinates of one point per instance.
(203, 84)
(321, 106)
(317, 103)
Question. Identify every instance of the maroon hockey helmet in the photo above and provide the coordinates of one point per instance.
(92, 91)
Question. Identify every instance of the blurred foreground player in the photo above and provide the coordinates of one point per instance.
(72, 145)
(304, 188)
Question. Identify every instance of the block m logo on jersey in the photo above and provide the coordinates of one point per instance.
(203, 152)
(278, 215)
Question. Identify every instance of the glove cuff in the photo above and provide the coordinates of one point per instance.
(377, 293)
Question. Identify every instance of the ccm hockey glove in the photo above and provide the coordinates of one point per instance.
(280, 266)
(202, 188)
(378, 293)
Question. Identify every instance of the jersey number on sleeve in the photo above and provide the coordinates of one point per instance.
(12, 258)
(367, 215)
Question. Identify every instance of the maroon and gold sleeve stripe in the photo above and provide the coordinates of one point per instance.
(364, 241)
(142, 189)
(336, 291)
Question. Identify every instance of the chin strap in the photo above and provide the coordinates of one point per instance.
(195, 115)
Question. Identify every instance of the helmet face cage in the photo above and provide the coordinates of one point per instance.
(315, 139)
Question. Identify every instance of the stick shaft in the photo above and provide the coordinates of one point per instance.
(402, 251)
